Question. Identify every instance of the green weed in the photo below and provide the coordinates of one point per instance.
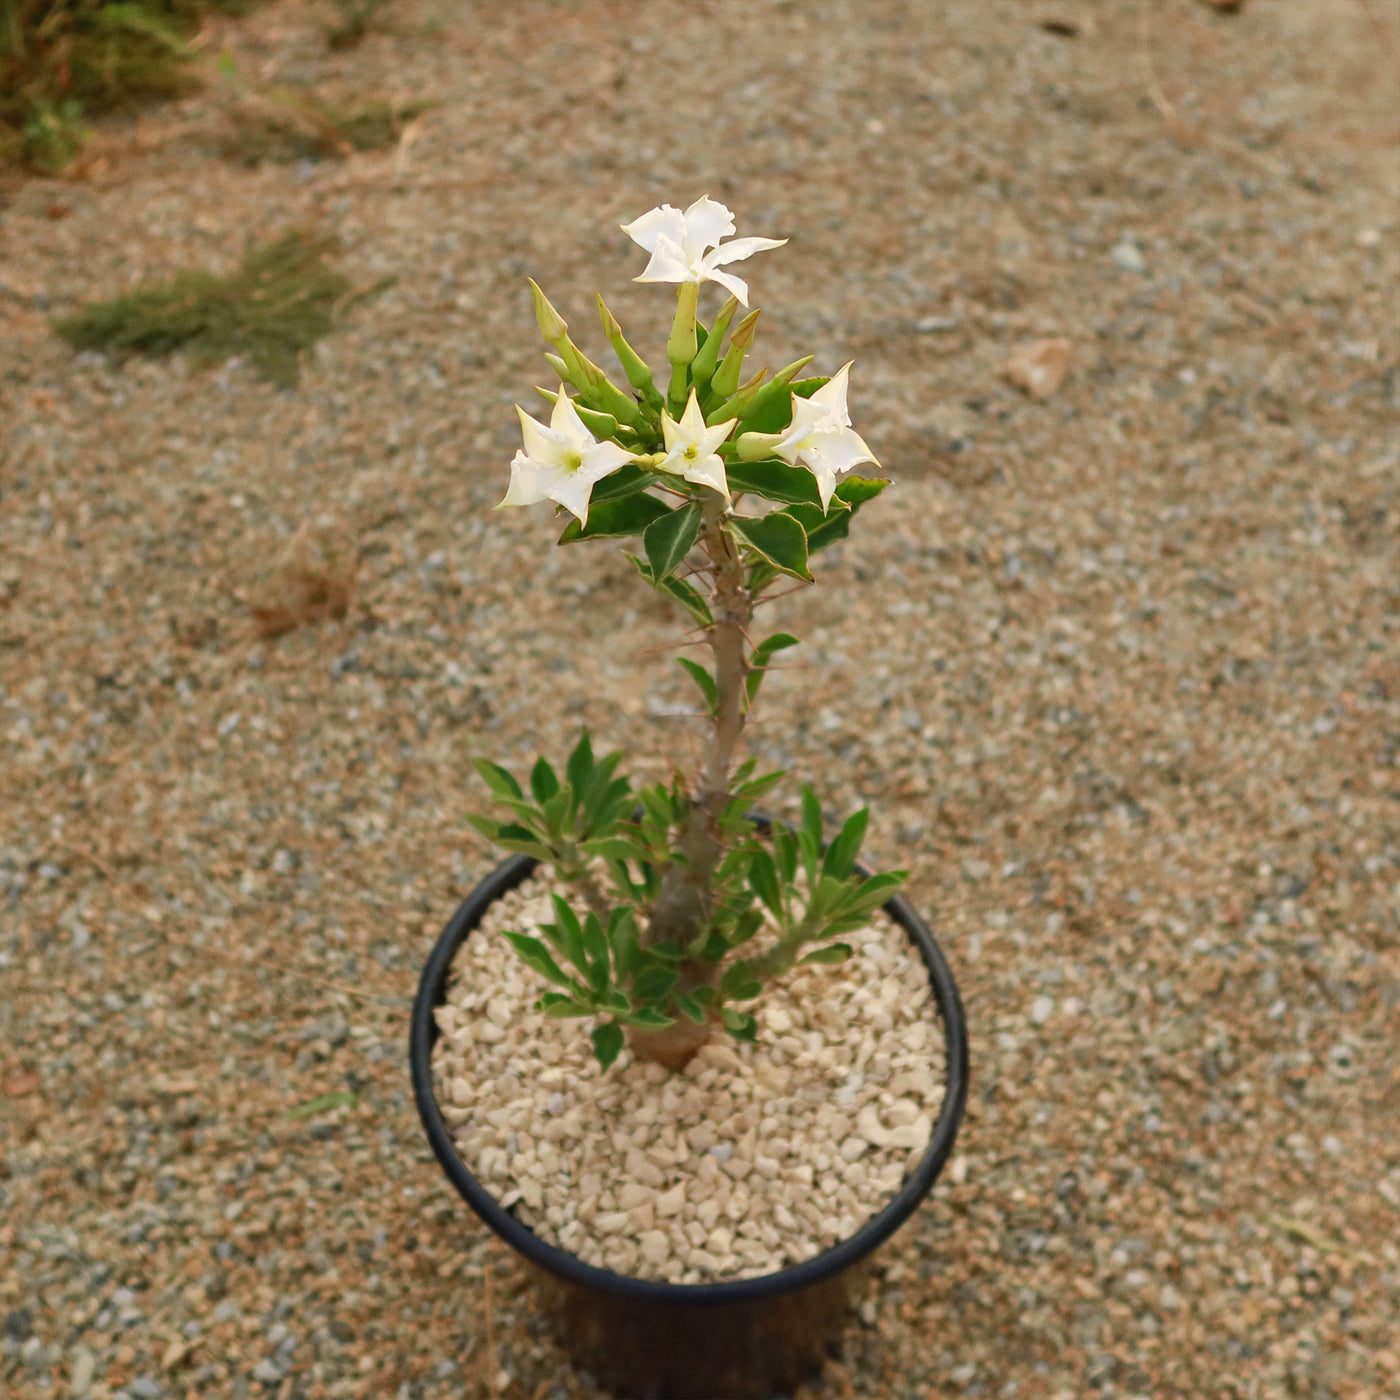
(280, 302)
(62, 60)
(287, 126)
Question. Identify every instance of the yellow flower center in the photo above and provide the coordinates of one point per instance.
(572, 461)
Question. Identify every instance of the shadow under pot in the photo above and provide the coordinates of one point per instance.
(645, 1339)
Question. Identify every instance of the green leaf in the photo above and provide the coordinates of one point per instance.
(774, 481)
(558, 810)
(689, 1007)
(763, 654)
(648, 1018)
(622, 938)
(580, 765)
(607, 1042)
(761, 573)
(779, 641)
(668, 539)
(840, 857)
(689, 598)
(323, 1103)
(763, 878)
(705, 996)
(519, 838)
(627, 480)
(739, 1024)
(777, 538)
(714, 947)
(745, 926)
(873, 892)
(811, 815)
(676, 588)
(856, 490)
(832, 953)
(654, 983)
(615, 848)
(534, 954)
(785, 852)
(487, 826)
(616, 519)
(595, 943)
(496, 778)
(758, 786)
(823, 529)
(704, 680)
(544, 782)
(558, 1005)
(739, 983)
(569, 934)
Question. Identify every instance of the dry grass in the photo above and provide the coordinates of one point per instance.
(313, 582)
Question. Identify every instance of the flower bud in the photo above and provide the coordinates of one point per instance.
(738, 406)
(636, 369)
(552, 325)
(774, 387)
(680, 348)
(602, 425)
(702, 367)
(726, 377)
(757, 447)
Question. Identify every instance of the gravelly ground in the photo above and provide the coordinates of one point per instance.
(1118, 671)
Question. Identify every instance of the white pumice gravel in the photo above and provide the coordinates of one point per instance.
(754, 1158)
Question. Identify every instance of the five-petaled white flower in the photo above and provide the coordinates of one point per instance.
(562, 462)
(684, 247)
(690, 447)
(821, 437)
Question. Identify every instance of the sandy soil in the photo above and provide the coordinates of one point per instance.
(1118, 671)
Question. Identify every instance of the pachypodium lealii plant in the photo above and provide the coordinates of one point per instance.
(732, 485)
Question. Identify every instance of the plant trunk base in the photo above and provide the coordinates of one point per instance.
(673, 1047)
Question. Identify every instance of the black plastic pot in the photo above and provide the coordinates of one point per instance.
(747, 1339)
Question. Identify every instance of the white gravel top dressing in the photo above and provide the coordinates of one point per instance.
(756, 1157)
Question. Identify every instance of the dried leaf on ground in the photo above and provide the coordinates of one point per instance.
(314, 581)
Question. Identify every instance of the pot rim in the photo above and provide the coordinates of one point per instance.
(424, 1032)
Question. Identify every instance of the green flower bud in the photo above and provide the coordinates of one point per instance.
(775, 386)
(636, 369)
(680, 348)
(726, 377)
(757, 447)
(553, 326)
(601, 425)
(702, 367)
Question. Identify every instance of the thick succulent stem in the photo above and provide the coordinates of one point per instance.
(683, 904)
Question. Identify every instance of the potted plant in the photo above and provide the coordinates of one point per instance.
(776, 1062)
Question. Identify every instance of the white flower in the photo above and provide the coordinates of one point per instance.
(685, 247)
(821, 437)
(690, 447)
(562, 462)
